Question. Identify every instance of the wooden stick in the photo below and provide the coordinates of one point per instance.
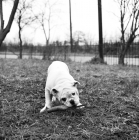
(62, 107)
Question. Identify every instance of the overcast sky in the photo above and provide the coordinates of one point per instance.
(84, 18)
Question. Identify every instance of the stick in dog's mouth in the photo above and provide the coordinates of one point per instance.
(63, 107)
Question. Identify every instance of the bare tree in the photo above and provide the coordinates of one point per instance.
(129, 19)
(78, 37)
(6, 30)
(24, 18)
(45, 19)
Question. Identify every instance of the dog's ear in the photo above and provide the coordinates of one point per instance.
(76, 83)
(54, 91)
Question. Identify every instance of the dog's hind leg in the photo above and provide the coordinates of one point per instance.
(48, 100)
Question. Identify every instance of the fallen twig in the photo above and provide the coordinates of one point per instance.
(63, 107)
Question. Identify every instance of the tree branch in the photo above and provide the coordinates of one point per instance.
(7, 29)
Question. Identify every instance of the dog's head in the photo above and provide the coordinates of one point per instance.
(69, 95)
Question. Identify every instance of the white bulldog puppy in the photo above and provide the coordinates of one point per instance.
(60, 85)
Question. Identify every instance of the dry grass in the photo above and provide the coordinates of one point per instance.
(110, 92)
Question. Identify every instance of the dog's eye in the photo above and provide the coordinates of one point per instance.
(73, 94)
(63, 99)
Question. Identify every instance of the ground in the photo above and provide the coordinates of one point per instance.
(110, 93)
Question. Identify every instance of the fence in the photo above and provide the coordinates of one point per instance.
(55, 52)
(112, 51)
(80, 54)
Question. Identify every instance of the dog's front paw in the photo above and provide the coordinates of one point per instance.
(44, 108)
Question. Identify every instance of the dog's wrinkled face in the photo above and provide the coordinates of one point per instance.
(70, 97)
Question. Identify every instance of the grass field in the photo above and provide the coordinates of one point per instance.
(111, 95)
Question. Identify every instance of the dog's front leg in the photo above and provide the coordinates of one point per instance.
(48, 100)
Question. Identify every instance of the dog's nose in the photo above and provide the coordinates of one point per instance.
(72, 102)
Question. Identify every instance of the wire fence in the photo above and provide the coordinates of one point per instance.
(80, 54)
(112, 51)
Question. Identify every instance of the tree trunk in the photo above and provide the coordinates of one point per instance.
(4, 32)
(125, 48)
(122, 55)
(20, 45)
(20, 38)
(44, 54)
(45, 50)
(121, 59)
